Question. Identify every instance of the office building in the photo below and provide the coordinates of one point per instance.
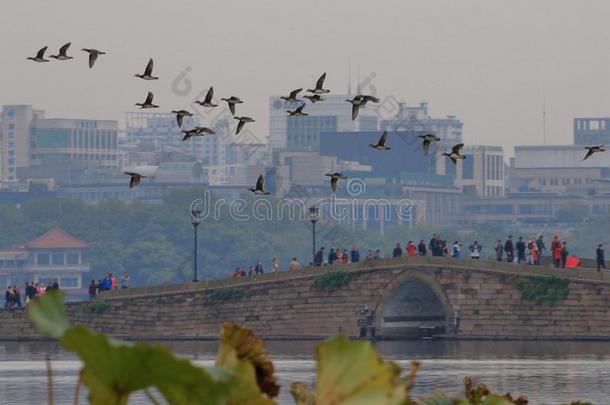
(62, 149)
(592, 131)
(558, 169)
(301, 134)
(417, 119)
(481, 174)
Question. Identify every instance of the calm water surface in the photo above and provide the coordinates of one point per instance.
(548, 372)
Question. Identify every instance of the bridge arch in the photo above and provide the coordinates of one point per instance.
(413, 305)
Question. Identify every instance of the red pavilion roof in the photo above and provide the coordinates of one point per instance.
(57, 239)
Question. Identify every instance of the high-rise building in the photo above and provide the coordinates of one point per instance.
(34, 147)
(302, 134)
(17, 133)
(592, 131)
(481, 174)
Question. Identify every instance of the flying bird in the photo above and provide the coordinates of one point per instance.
(93, 54)
(207, 102)
(319, 89)
(135, 178)
(63, 53)
(314, 98)
(593, 149)
(148, 72)
(39, 56)
(381, 144)
(298, 112)
(260, 186)
(148, 103)
(242, 122)
(197, 131)
(427, 140)
(180, 114)
(334, 178)
(455, 153)
(231, 101)
(292, 97)
(360, 100)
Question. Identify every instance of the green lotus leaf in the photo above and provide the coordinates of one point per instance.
(49, 315)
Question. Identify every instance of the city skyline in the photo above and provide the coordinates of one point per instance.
(491, 75)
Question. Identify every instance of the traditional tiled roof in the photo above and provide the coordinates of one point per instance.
(57, 239)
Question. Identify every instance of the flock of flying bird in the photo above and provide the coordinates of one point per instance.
(360, 100)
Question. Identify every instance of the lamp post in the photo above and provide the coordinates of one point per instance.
(196, 219)
(313, 217)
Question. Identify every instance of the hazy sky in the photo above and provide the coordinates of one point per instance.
(488, 62)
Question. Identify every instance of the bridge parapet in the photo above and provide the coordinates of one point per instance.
(493, 266)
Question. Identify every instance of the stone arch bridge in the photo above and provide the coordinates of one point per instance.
(394, 298)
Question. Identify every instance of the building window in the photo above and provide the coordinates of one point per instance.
(68, 282)
(72, 258)
(43, 259)
(58, 259)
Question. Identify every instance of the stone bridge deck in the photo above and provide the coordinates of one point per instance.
(396, 298)
(492, 266)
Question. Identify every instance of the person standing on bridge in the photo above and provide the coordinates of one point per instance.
(332, 257)
(520, 246)
(421, 248)
(397, 252)
(344, 257)
(475, 250)
(275, 265)
(509, 249)
(499, 250)
(355, 255)
(294, 264)
(541, 248)
(564, 254)
(599, 257)
(434, 245)
(411, 249)
(318, 259)
(457, 249)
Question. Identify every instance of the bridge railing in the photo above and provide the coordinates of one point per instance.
(580, 273)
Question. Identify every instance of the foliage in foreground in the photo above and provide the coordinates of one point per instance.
(348, 372)
(333, 280)
(228, 294)
(543, 289)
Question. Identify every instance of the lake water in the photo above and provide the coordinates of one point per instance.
(547, 372)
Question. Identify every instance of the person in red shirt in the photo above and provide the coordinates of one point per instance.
(344, 258)
(113, 280)
(411, 249)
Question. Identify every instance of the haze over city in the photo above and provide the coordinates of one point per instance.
(490, 63)
(305, 202)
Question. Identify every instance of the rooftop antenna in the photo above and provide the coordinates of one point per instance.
(544, 116)
(349, 75)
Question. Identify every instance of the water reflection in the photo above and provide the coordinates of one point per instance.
(549, 372)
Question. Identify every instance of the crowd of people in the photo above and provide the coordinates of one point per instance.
(13, 298)
(108, 283)
(519, 251)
